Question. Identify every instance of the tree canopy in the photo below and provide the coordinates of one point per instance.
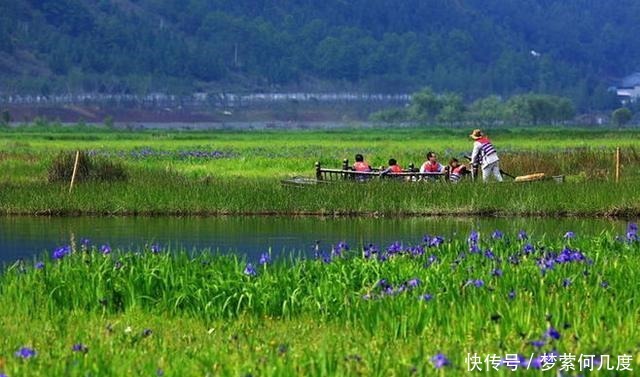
(476, 47)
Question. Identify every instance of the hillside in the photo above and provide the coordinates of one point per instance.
(476, 47)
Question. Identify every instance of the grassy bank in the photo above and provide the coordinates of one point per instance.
(349, 312)
(235, 172)
(181, 196)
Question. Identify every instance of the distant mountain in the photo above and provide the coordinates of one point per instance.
(475, 47)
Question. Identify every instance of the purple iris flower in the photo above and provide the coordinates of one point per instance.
(249, 270)
(427, 297)
(497, 235)
(394, 248)
(496, 272)
(512, 295)
(528, 248)
(489, 254)
(440, 361)
(552, 333)
(413, 283)
(155, 248)
(105, 249)
(61, 252)
(26, 353)
(474, 236)
(569, 235)
(79, 347)
(39, 265)
(436, 241)
(522, 235)
(343, 246)
(264, 258)
(537, 343)
(475, 282)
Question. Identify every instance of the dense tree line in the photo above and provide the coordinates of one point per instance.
(573, 48)
(449, 108)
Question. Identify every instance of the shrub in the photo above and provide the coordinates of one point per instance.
(89, 168)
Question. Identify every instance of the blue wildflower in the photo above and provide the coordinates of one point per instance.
(569, 235)
(511, 295)
(343, 246)
(413, 283)
(26, 353)
(427, 297)
(249, 270)
(538, 343)
(394, 248)
(489, 254)
(496, 272)
(61, 252)
(436, 241)
(369, 251)
(440, 361)
(431, 260)
(105, 249)
(522, 235)
(632, 232)
(497, 235)
(39, 265)
(474, 237)
(528, 249)
(475, 282)
(552, 333)
(79, 347)
(155, 248)
(264, 258)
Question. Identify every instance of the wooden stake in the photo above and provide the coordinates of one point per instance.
(617, 164)
(75, 170)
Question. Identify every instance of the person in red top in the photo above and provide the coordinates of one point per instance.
(431, 165)
(456, 170)
(393, 167)
(360, 165)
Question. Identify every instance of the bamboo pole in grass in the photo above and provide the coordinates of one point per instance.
(75, 170)
(617, 164)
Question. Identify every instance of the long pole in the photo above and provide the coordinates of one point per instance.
(617, 164)
(75, 170)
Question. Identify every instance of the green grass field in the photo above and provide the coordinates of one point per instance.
(347, 313)
(222, 172)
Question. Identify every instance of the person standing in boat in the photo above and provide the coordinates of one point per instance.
(484, 154)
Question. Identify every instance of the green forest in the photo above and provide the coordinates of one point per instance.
(570, 48)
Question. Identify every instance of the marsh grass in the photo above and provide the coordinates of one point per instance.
(235, 172)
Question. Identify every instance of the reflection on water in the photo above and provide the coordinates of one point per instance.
(24, 237)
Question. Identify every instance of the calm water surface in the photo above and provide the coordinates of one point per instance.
(27, 237)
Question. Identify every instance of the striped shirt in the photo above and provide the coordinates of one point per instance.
(484, 152)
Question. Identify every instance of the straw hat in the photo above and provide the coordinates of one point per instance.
(476, 134)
